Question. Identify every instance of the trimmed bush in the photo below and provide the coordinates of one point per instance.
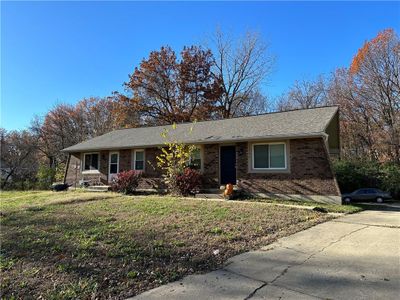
(126, 182)
(188, 182)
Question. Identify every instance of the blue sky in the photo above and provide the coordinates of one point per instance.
(55, 52)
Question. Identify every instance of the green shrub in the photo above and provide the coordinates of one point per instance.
(45, 177)
(391, 179)
(21, 185)
(352, 175)
(60, 172)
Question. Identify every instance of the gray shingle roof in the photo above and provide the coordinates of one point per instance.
(290, 124)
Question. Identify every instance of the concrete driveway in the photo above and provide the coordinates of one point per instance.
(352, 257)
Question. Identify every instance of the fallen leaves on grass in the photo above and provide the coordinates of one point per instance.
(108, 246)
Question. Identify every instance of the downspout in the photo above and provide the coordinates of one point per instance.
(66, 168)
(325, 137)
(326, 148)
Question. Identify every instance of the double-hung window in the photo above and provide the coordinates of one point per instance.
(91, 161)
(195, 159)
(114, 161)
(269, 156)
(138, 160)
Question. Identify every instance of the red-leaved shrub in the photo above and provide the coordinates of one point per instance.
(188, 182)
(126, 182)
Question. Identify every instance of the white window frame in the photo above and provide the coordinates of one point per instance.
(84, 162)
(134, 159)
(201, 149)
(269, 156)
(109, 162)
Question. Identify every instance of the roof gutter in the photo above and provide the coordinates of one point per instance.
(202, 142)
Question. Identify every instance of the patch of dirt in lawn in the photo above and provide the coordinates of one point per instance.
(121, 246)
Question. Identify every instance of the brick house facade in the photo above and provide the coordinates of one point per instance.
(305, 169)
(309, 170)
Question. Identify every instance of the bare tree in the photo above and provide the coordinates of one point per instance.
(304, 94)
(359, 132)
(241, 66)
(18, 156)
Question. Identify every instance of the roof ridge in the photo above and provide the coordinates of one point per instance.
(225, 119)
(284, 124)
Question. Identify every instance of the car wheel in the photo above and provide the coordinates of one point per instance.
(379, 200)
(347, 200)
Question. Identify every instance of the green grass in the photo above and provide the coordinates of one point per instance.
(77, 244)
(332, 208)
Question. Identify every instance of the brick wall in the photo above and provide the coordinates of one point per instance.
(310, 171)
(125, 160)
(73, 174)
(211, 166)
(152, 176)
(104, 156)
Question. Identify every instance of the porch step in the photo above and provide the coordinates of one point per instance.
(210, 196)
(98, 188)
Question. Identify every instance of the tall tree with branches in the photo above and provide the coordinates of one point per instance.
(375, 76)
(18, 156)
(241, 66)
(368, 93)
(304, 94)
(66, 125)
(167, 90)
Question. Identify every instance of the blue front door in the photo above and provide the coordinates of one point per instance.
(228, 164)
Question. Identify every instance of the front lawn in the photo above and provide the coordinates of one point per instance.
(332, 208)
(72, 245)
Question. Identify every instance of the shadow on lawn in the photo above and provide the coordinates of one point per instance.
(82, 200)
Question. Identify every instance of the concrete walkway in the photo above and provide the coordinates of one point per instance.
(352, 257)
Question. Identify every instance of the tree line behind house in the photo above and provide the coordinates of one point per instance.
(225, 80)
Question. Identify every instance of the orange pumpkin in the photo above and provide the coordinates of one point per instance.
(228, 190)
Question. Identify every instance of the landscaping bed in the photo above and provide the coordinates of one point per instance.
(85, 245)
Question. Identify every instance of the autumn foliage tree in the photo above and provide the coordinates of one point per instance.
(198, 84)
(368, 93)
(124, 111)
(57, 130)
(375, 77)
(18, 157)
(167, 90)
(66, 124)
(369, 96)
